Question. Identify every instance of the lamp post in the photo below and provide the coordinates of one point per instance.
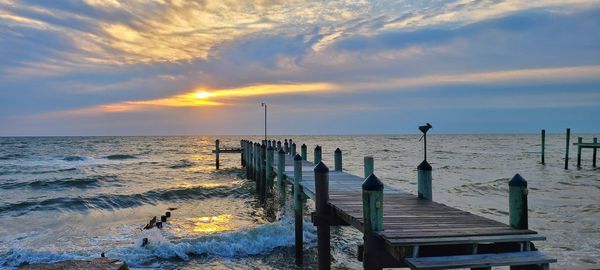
(265, 105)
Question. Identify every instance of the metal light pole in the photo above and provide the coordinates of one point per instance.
(265, 105)
(424, 129)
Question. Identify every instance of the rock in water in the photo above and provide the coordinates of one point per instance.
(95, 264)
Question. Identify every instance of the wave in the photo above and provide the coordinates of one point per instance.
(118, 201)
(74, 158)
(184, 163)
(70, 182)
(258, 240)
(119, 157)
(12, 156)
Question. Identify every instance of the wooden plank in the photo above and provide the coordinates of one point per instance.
(480, 260)
(486, 239)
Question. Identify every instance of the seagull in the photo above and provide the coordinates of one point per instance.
(424, 129)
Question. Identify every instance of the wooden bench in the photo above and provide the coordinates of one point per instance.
(482, 260)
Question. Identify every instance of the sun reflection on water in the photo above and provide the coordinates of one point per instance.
(206, 224)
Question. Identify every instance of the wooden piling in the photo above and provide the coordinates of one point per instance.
(242, 159)
(338, 160)
(579, 141)
(372, 195)
(303, 152)
(321, 204)
(317, 154)
(217, 153)
(517, 202)
(567, 149)
(286, 147)
(278, 145)
(424, 185)
(594, 154)
(290, 143)
(293, 149)
(369, 166)
(280, 170)
(259, 171)
(543, 146)
(298, 206)
(263, 169)
(269, 169)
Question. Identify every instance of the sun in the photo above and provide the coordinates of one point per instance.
(202, 95)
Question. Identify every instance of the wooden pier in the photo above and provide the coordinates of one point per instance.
(400, 229)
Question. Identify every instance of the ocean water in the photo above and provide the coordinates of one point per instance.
(76, 197)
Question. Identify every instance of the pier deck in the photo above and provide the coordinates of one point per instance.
(413, 227)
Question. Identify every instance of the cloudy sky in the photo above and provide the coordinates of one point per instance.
(153, 67)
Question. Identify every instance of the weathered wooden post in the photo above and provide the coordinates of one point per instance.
(217, 153)
(286, 147)
(337, 156)
(303, 151)
(298, 206)
(543, 146)
(317, 154)
(280, 170)
(369, 166)
(242, 153)
(567, 149)
(278, 145)
(579, 141)
(269, 170)
(517, 202)
(594, 154)
(293, 149)
(290, 143)
(321, 204)
(424, 180)
(259, 170)
(372, 195)
(263, 171)
(256, 158)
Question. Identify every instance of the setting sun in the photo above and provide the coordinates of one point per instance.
(203, 95)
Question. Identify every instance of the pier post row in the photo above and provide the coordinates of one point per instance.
(408, 230)
(217, 154)
(293, 154)
(286, 147)
(543, 146)
(568, 138)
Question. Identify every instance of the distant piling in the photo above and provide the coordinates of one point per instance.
(303, 150)
(568, 139)
(594, 153)
(269, 169)
(293, 149)
(280, 170)
(579, 141)
(543, 146)
(317, 154)
(217, 154)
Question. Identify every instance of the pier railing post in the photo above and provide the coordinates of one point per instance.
(298, 206)
(567, 149)
(269, 170)
(242, 153)
(322, 208)
(372, 196)
(263, 169)
(424, 185)
(579, 141)
(369, 166)
(293, 149)
(217, 154)
(517, 202)
(290, 144)
(278, 145)
(594, 154)
(256, 158)
(286, 147)
(259, 170)
(338, 160)
(280, 170)
(317, 154)
(303, 152)
(543, 146)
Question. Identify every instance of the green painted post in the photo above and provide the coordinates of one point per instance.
(217, 150)
(317, 154)
(298, 206)
(337, 156)
(280, 170)
(594, 154)
(286, 147)
(372, 195)
(579, 141)
(278, 145)
(543, 146)
(259, 171)
(263, 171)
(517, 202)
(293, 149)
(567, 149)
(269, 170)
(290, 143)
(321, 204)
(369, 166)
(303, 151)
(424, 180)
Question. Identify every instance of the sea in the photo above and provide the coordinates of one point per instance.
(67, 198)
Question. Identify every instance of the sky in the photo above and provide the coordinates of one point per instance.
(159, 67)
